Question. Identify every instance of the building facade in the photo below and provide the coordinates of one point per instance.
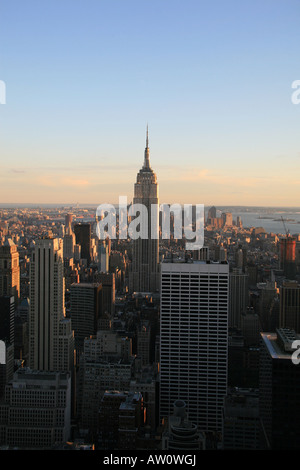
(194, 342)
(36, 412)
(289, 313)
(9, 270)
(51, 339)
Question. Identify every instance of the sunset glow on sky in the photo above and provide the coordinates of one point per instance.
(212, 79)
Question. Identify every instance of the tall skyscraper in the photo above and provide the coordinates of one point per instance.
(83, 238)
(51, 340)
(108, 282)
(288, 256)
(7, 318)
(69, 243)
(103, 257)
(212, 213)
(68, 223)
(144, 275)
(194, 342)
(268, 295)
(9, 270)
(238, 296)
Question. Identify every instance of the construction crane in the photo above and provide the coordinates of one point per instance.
(287, 232)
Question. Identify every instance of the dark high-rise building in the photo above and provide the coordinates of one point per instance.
(268, 295)
(21, 339)
(7, 332)
(241, 423)
(86, 300)
(109, 410)
(108, 292)
(120, 419)
(7, 318)
(279, 388)
(252, 271)
(212, 213)
(251, 327)
(83, 238)
(238, 296)
(144, 275)
(289, 315)
(131, 418)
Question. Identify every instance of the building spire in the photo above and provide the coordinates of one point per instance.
(147, 151)
(147, 138)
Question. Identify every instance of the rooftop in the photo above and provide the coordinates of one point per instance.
(279, 343)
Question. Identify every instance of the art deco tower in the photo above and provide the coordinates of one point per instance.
(144, 275)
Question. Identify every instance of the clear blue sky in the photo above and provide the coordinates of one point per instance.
(212, 79)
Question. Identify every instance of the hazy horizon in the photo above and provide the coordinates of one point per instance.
(25, 205)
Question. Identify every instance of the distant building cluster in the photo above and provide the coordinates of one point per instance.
(142, 344)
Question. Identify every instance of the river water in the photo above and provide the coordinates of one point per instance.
(271, 221)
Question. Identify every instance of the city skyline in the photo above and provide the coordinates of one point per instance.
(213, 81)
(149, 227)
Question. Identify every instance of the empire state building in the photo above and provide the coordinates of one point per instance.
(144, 275)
